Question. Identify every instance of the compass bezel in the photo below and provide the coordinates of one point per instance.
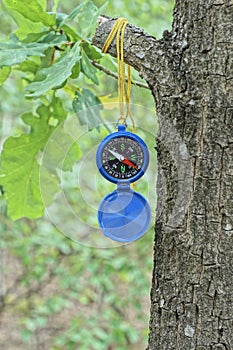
(118, 134)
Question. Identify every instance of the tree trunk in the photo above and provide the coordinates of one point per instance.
(190, 73)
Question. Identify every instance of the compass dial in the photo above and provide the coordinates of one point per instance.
(122, 158)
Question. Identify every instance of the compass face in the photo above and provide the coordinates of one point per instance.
(122, 158)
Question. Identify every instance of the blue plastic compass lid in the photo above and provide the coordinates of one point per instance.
(124, 215)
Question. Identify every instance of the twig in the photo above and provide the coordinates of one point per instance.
(114, 75)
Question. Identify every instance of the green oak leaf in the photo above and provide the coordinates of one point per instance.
(88, 69)
(87, 107)
(43, 3)
(34, 37)
(55, 75)
(70, 33)
(75, 11)
(19, 174)
(76, 71)
(73, 153)
(63, 18)
(61, 152)
(92, 52)
(24, 25)
(14, 51)
(4, 74)
(87, 18)
(32, 10)
(20, 162)
(48, 37)
(27, 67)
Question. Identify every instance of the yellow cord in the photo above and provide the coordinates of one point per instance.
(118, 31)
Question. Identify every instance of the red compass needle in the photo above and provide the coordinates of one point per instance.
(129, 163)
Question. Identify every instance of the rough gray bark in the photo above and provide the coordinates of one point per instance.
(190, 73)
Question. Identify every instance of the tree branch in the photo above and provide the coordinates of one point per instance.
(140, 49)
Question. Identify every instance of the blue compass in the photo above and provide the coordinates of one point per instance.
(122, 158)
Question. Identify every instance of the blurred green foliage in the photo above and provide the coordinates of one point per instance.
(65, 295)
(97, 292)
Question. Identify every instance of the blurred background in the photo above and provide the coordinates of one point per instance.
(57, 292)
